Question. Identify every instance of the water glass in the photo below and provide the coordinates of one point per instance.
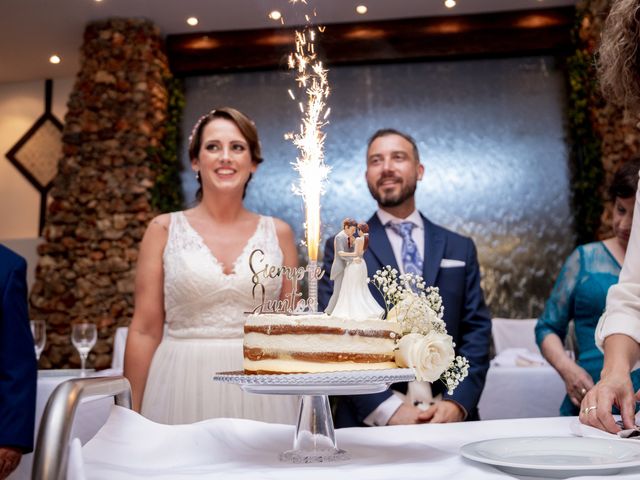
(84, 337)
(39, 333)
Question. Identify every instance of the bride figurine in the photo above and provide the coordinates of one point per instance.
(355, 301)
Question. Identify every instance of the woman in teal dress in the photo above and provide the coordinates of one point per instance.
(580, 293)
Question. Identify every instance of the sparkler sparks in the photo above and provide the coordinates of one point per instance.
(312, 81)
(311, 77)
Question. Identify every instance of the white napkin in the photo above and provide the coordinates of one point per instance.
(75, 465)
(519, 357)
(582, 430)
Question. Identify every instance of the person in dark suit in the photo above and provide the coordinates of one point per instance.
(400, 236)
(18, 367)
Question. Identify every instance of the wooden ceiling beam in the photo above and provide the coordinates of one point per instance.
(527, 32)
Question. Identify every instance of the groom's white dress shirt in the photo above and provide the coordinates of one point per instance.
(384, 411)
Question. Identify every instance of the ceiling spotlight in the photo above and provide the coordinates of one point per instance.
(275, 15)
(193, 21)
(450, 3)
(361, 9)
(55, 59)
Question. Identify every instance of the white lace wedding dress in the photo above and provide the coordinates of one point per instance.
(204, 315)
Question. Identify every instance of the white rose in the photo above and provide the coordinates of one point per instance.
(430, 355)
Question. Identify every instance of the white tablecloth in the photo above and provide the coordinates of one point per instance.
(131, 447)
(521, 392)
(90, 416)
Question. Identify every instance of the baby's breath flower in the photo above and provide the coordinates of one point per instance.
(419, 310)
(457, 371)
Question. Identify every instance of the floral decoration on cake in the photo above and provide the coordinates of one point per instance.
(424, 345)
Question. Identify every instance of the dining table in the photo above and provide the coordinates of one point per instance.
(131, 447)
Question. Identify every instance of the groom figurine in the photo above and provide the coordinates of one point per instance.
(400, 236)
(342, 242)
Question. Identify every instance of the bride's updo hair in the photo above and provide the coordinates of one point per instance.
(244, 124)
(363, 228)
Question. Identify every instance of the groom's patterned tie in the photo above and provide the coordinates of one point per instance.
(418, 393)
(411, 259)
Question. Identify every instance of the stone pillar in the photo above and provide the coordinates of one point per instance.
(101, 198)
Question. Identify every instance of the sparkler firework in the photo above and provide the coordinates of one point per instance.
(311, 79)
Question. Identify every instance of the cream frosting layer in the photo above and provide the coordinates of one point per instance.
(288, 343)
(319, 343)
(300, 366)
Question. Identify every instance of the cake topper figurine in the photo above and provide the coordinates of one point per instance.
(353, 299)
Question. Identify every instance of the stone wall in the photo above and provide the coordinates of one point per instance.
(101, 199)
(620, 141)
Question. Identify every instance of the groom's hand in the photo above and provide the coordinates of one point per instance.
(405, 415)
(9, 460)
(444, 411)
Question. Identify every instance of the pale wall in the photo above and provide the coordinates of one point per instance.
(21, 104)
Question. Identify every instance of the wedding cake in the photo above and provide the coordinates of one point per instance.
(280, 343)
(351, 334)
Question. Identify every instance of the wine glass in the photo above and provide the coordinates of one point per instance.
(84, 337)
(39, 333)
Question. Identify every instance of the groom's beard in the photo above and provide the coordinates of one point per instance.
(393, 199)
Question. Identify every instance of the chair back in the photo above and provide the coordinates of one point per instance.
(119, 344)
(514, 333)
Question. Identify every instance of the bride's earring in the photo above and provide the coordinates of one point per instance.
(197, 175)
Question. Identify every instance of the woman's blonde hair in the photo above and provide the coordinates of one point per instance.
(618, 56)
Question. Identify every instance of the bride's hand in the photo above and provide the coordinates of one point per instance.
(358, 259)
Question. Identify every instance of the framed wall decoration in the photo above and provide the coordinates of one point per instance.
(37, 152)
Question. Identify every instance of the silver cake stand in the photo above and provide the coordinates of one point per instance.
(314, 440)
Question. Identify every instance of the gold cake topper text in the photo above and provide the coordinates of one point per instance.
(292, 302)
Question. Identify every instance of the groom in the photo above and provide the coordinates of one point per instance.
(402, 237)
(18, 368)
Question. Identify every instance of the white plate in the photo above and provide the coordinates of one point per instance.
(328, 383)
(556, 457)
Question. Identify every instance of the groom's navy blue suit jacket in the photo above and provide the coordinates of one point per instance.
(18, 369)
(465, 313)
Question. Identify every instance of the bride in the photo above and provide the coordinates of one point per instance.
(355, 300)
(193, 275)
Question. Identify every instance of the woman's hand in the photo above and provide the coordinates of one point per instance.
(613, 389)
(577, 382)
